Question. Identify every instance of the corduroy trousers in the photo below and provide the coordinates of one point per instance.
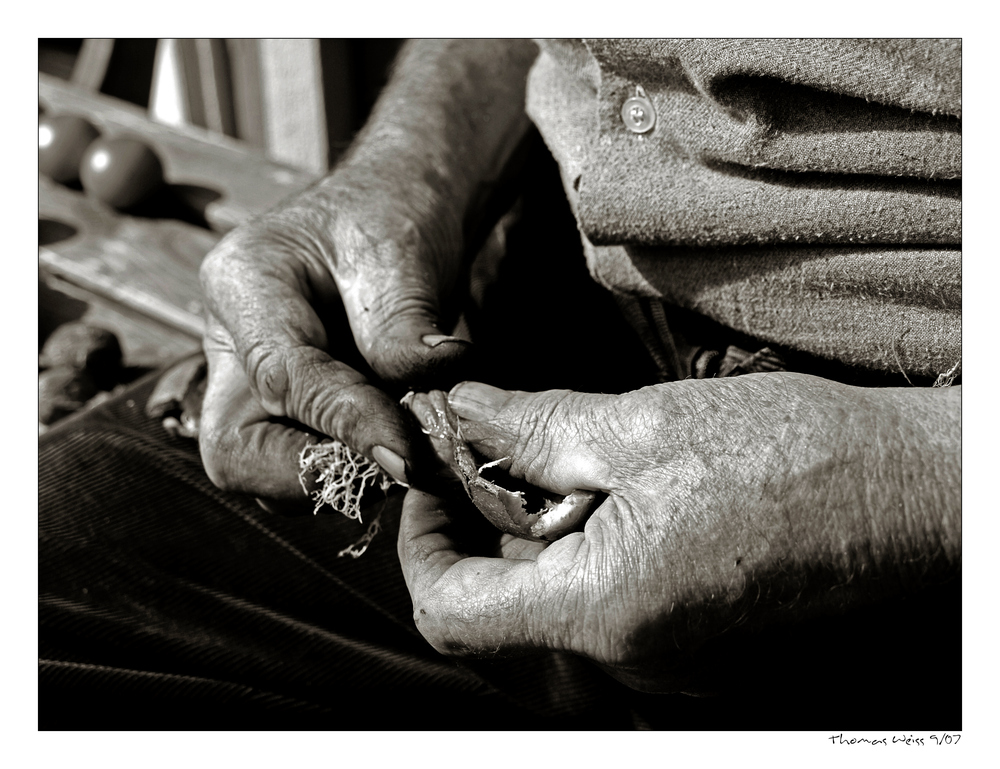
(166, 603)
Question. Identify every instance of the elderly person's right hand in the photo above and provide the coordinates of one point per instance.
(379, 241)
(390, 256)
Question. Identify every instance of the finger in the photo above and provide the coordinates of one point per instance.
(468, 605)
(263, 304)
(281, 345)
(395, 312)
(552, 438)
(515, 547)
(243, 448)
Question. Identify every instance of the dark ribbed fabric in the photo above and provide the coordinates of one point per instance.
(158, 589)
(174, 604)
(165, 603)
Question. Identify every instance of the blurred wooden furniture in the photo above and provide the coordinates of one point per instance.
(299, 100)
(280, 99)
(253, 120)
(92, 62)
(145, 268)
(119, 67)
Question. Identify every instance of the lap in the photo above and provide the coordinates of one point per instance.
(176, 605)
(159, 587)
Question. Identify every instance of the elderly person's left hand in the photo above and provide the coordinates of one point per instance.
(732, 502)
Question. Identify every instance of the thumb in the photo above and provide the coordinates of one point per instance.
(398, 328)
(553, 438)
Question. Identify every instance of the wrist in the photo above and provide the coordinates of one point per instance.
(915, 485)
(396, 183)
(447, 123)
(874, 493)
(412, 157)
(828, 496)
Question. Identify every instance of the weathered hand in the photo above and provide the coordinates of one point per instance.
(279, 345)
(732, 503)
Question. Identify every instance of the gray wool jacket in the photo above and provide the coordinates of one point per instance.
(804, 192)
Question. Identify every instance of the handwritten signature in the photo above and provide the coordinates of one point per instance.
(935, 739)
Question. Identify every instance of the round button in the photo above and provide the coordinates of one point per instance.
(638, 114)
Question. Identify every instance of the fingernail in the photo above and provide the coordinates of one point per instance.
(433, 340)
(421, 407)
(475, 400)
(391, 462)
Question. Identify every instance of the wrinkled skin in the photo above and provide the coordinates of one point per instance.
(518, 509)
(746, 502)
(271, 356)
(323, 311)
(735, 502)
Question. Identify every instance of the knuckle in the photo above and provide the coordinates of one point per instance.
(209, 270)
(305, 384)
(221, 453)
(440, 631)
(339, 411)
(217, 475)
(431, 620)
(336, 400)
(552, 420)
(418, 553)
(531, 430)
(215, 459)
(214, 272)
(267, 371)
(448, 615)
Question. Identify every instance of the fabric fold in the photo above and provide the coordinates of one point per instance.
(806, 192)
